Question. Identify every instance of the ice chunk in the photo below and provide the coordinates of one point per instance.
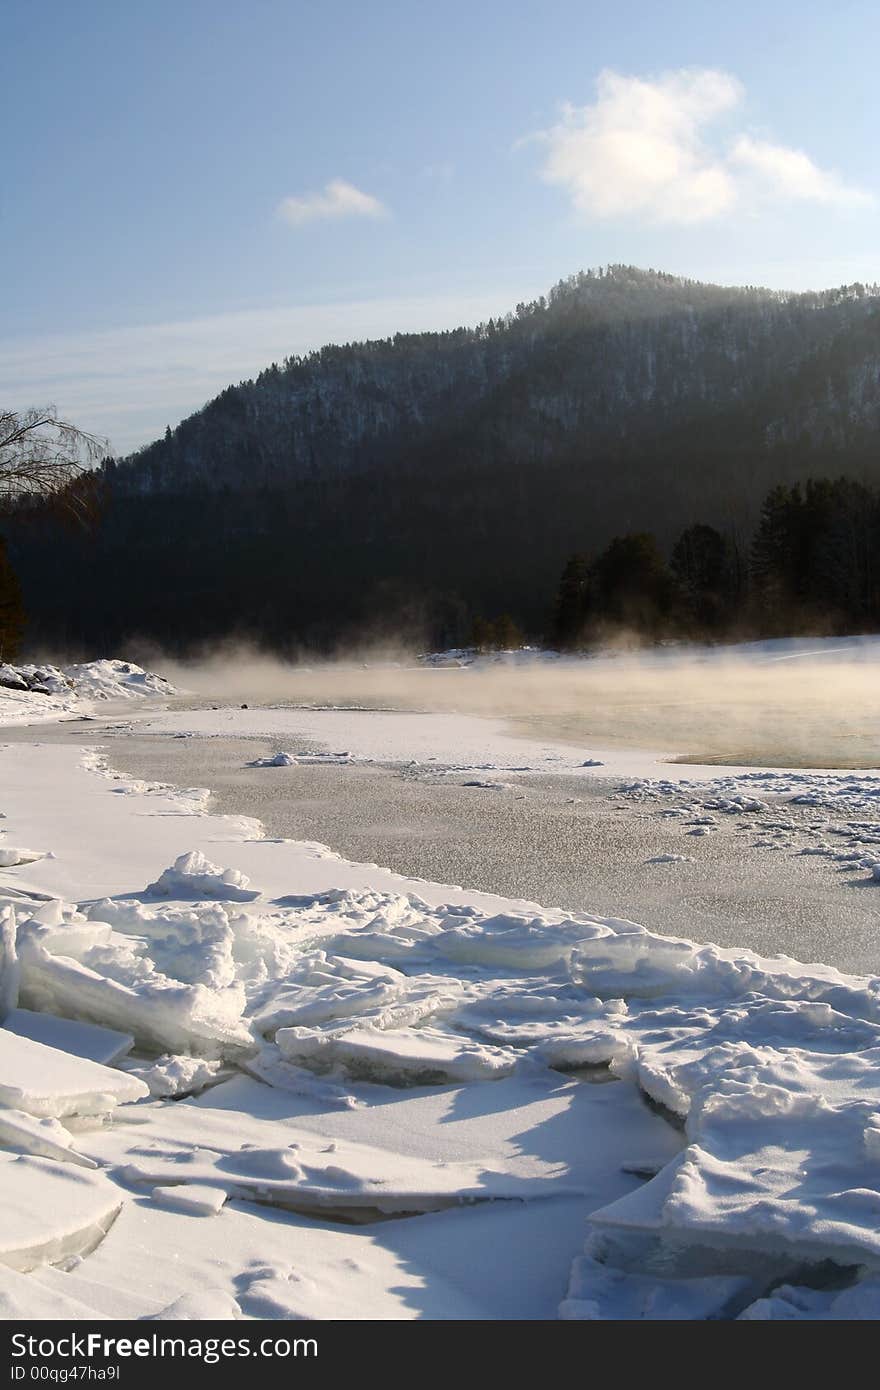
(46, 1138)
(49, 1211)
(194, 876)
(10, 856)
(520, 942)
(408, 1056)
(179, 1076)
(163, 1014)
(44, 1081)
(321, 988)
(194, 1199)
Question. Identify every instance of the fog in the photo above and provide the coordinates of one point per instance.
(802, 703)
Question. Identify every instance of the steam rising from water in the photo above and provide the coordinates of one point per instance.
(806, 703)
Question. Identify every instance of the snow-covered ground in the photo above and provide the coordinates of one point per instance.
(241, 1077)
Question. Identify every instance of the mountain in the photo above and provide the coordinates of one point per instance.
(606, 358)
(423, 479)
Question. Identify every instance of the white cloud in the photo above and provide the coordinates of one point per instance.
(792, 174)
(336, 200)
(645, 148)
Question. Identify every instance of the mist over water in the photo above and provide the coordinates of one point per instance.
(798, 703)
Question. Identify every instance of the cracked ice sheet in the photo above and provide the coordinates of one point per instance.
(542, 1127)
(395, 1151)
(507, 1259)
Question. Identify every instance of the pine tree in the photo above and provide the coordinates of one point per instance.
(633, 586)
(704, 567)
(572, 601)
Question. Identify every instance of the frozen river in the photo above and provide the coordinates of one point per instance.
(558, 840)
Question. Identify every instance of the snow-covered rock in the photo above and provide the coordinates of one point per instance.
(35, 694)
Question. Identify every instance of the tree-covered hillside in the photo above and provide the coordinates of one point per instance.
(426, 480)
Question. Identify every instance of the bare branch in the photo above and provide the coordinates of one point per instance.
(42, 456)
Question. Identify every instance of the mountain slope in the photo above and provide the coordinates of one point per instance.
(606, 358)
(416, 482)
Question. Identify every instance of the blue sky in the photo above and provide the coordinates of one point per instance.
(195, 188)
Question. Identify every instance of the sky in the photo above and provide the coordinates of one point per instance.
(196, 188)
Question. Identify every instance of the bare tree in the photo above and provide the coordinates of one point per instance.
(42, 457)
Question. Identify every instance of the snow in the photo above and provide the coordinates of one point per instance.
(275, 1084)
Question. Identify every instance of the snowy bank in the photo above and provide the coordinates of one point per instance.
(40, 694)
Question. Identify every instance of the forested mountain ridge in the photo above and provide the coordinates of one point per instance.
(605, 358)
(417, 483)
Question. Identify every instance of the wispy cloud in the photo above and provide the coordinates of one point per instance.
(129, 383)
(651, 148)
(336, 200)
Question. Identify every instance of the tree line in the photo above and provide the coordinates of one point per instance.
(812, 565)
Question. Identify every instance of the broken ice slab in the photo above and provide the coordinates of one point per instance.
(354, 1181)
(163, 1014)
(39, 1135)
(771, 1172)
(45, 1081)
(194, 1199)
(408, 1056)
(88, 1040)
(50, 1211)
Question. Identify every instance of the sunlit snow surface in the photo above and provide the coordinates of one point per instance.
(243, 1078)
